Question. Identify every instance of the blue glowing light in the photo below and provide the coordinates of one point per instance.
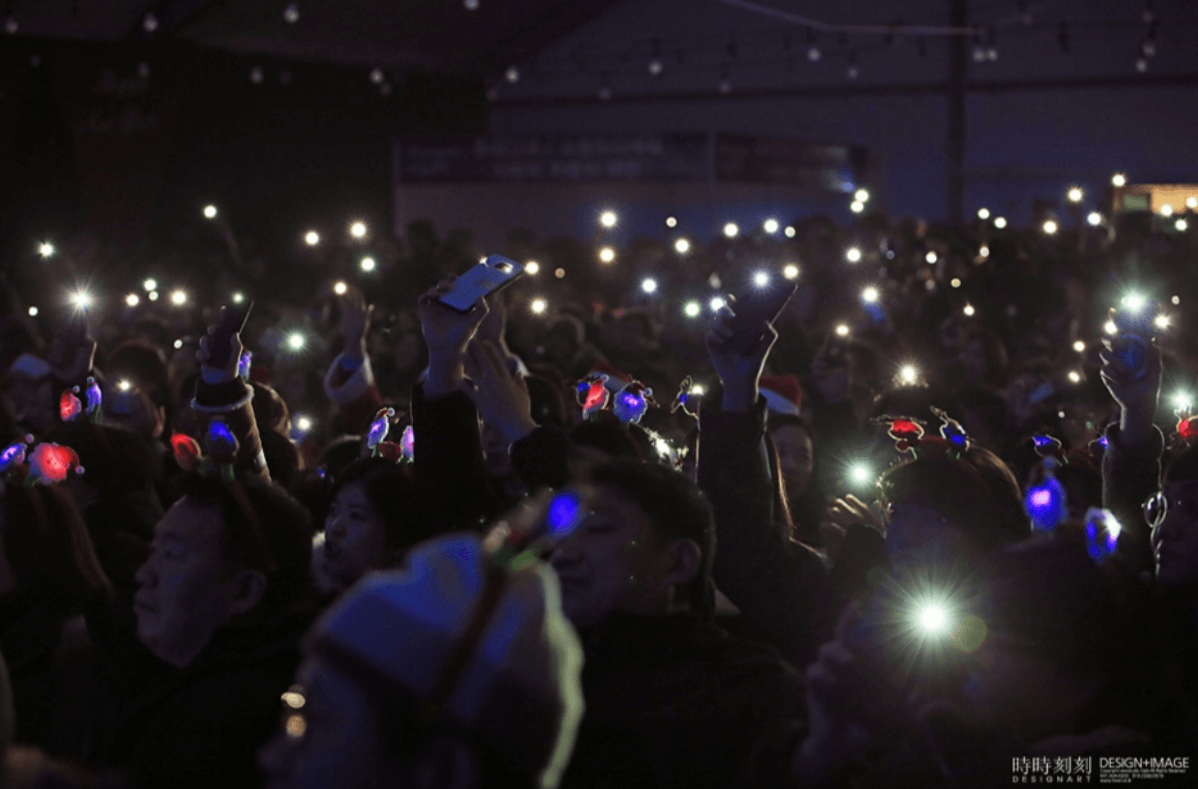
(13, 455)
(221, 441)
(565, 511)
(1045, 504)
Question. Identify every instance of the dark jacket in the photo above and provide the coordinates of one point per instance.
(1129, 477)
(673, 701)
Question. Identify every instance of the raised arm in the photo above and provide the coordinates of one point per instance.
(350, 382)
(221, 392)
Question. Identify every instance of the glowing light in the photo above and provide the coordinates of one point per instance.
(1000, 222)
(560, 273)
(1134, 302)
(538, 306)
(969, 310)
(1166, 210)
(692, 309)
(770, 226)
(984, 251)
(1118, 179)
(1181, 224)
(870, 295)
(512, 74)
(608, 219)
(1049, 226)
(931, 257)
(291, 14)
(983, 213)
(933, 618)
(367, 264)
(1192, 202)
(955, 282)
(861, 195)
(1161, 321)
(340, 288)
(33, 312)
(856, 206)
(296, 726)
(210, 212)
(908, 374)
(671, 221)
(81, 299)
(1176, 300)
(718, 304)
(682, 246)
(132, 300)
(761, 279)
(790, 232)
(1182, 401)
(649, 285)
(790, 271)
(311, 238)
(45, 249)
(1079, 346)
(852, 254)
(152, 295)
(123, 386)
(178, 344)
(532, 267)
(607, 254)
(1075, 376)
(238, 297)
(698, 389)
(150, 284)
(730, 230)
(1094, 218)
(860, 473)
(296, 341)
(1075, 194)
(178, 298)
(303, 423)
(358, 230)
(1110, 328)
(842, 330)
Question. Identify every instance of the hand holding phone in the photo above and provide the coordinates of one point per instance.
(761, 301)
(232, 321)
(491, 276)
(1136, 332)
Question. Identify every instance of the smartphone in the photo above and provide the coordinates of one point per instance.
(1137, 331)
(220, 344)
(491, 276)
(753, 306)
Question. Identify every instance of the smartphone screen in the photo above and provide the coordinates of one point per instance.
(491, 276)
(232, 321)
(762, 300)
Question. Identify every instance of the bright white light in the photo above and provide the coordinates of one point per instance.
(150, 284)
(358, 230)
(1076, 194)
(969, 310)
(983, 213)
(649, 285)
(1094, 218)
(790, 232)
(1192, 202)
(1049, 226)
(852, 254)
(869, 295)
(856, 206)
(178, 344)
(238, 297)
(984, 251)
(671, 221)
(698, 389)
(1075, 376)
(770, 226)
(842, 330)
(303, 423)
(860, 473)
(367, 264)
(608, 219)
(532, 267)
(560, 273)
(81, 299)
(1181, 224)
(955, 282)
(1110, 328)
(1134, 302)
(607, 254)
(861, 195)
(908, 374)
(123, 386)
(33, 312)
(933, 618)
(931, 257)
(1079, 346)
(761, 279)
(1176, 300)
(730, 230)
(790, 271)
(296, 341)
(512, 74)
(210, 212)
(178, 298)
(717, 304)
(538, 306)
(152, 295)
(1000, 222)
(291, 14)
(45, 249)
(692, 309)
(1182, 401)
(1118, 179)
(311, 238)
(1166, 210)
(682, 246)
(132, 300)
(340, 288)
(1161, 321)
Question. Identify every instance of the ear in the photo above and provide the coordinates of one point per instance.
(683, 558)
(447, 763)
(249, 586)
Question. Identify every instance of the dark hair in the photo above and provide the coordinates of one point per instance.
(116, 461)
(274, 537)
(143, 363)
(282, 458)
(392, 492)
(674, 505)
(977, 492)
(270, 410)
(49, 548)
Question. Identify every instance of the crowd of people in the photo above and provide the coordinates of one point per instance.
(932, 525)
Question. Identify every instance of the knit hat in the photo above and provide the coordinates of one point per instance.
(490, 650)
(783, 393)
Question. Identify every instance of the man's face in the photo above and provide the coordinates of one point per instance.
(332, 739)
(1175, 541)
(186, 590)
(613, 561)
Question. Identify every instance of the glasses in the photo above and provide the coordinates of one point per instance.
(1156, 507)
(293, 721)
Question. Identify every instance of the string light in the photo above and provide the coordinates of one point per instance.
(210, 212)
(45, 249)
(1049, 226)
(132, 300)
(1118, 180)
(1000, 222)
(692, 309)
(770, 226)
(608, 219)
(532, 267)
(852, 254)
(682, 246)
(607, 254)
(358, 230)
(367, 264)
(1075, 194)
(730, 230)
(983, 213)
(1134, 302)
(790, 271)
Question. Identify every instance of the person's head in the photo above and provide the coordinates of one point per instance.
(226, 554)
(796, 453)
(46, 548)
(943, 508)
(1175, 512)
(375, 703)
(270, 410)
(372, 521)
(283, 458)
(29, 388)
(143, 364)
(646, 548)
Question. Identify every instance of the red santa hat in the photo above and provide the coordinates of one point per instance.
(783, 393)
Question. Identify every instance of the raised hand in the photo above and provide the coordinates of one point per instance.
(356, 315)
(501, 397)
(214, 375)
(840, 515)
(446, 333)
(1137, 396)
(739, 373)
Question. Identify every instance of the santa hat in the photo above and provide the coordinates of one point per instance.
(514, 675)
(616, 379)
(783, 393)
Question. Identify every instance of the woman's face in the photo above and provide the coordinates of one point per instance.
(355, 537)
(796, 456)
